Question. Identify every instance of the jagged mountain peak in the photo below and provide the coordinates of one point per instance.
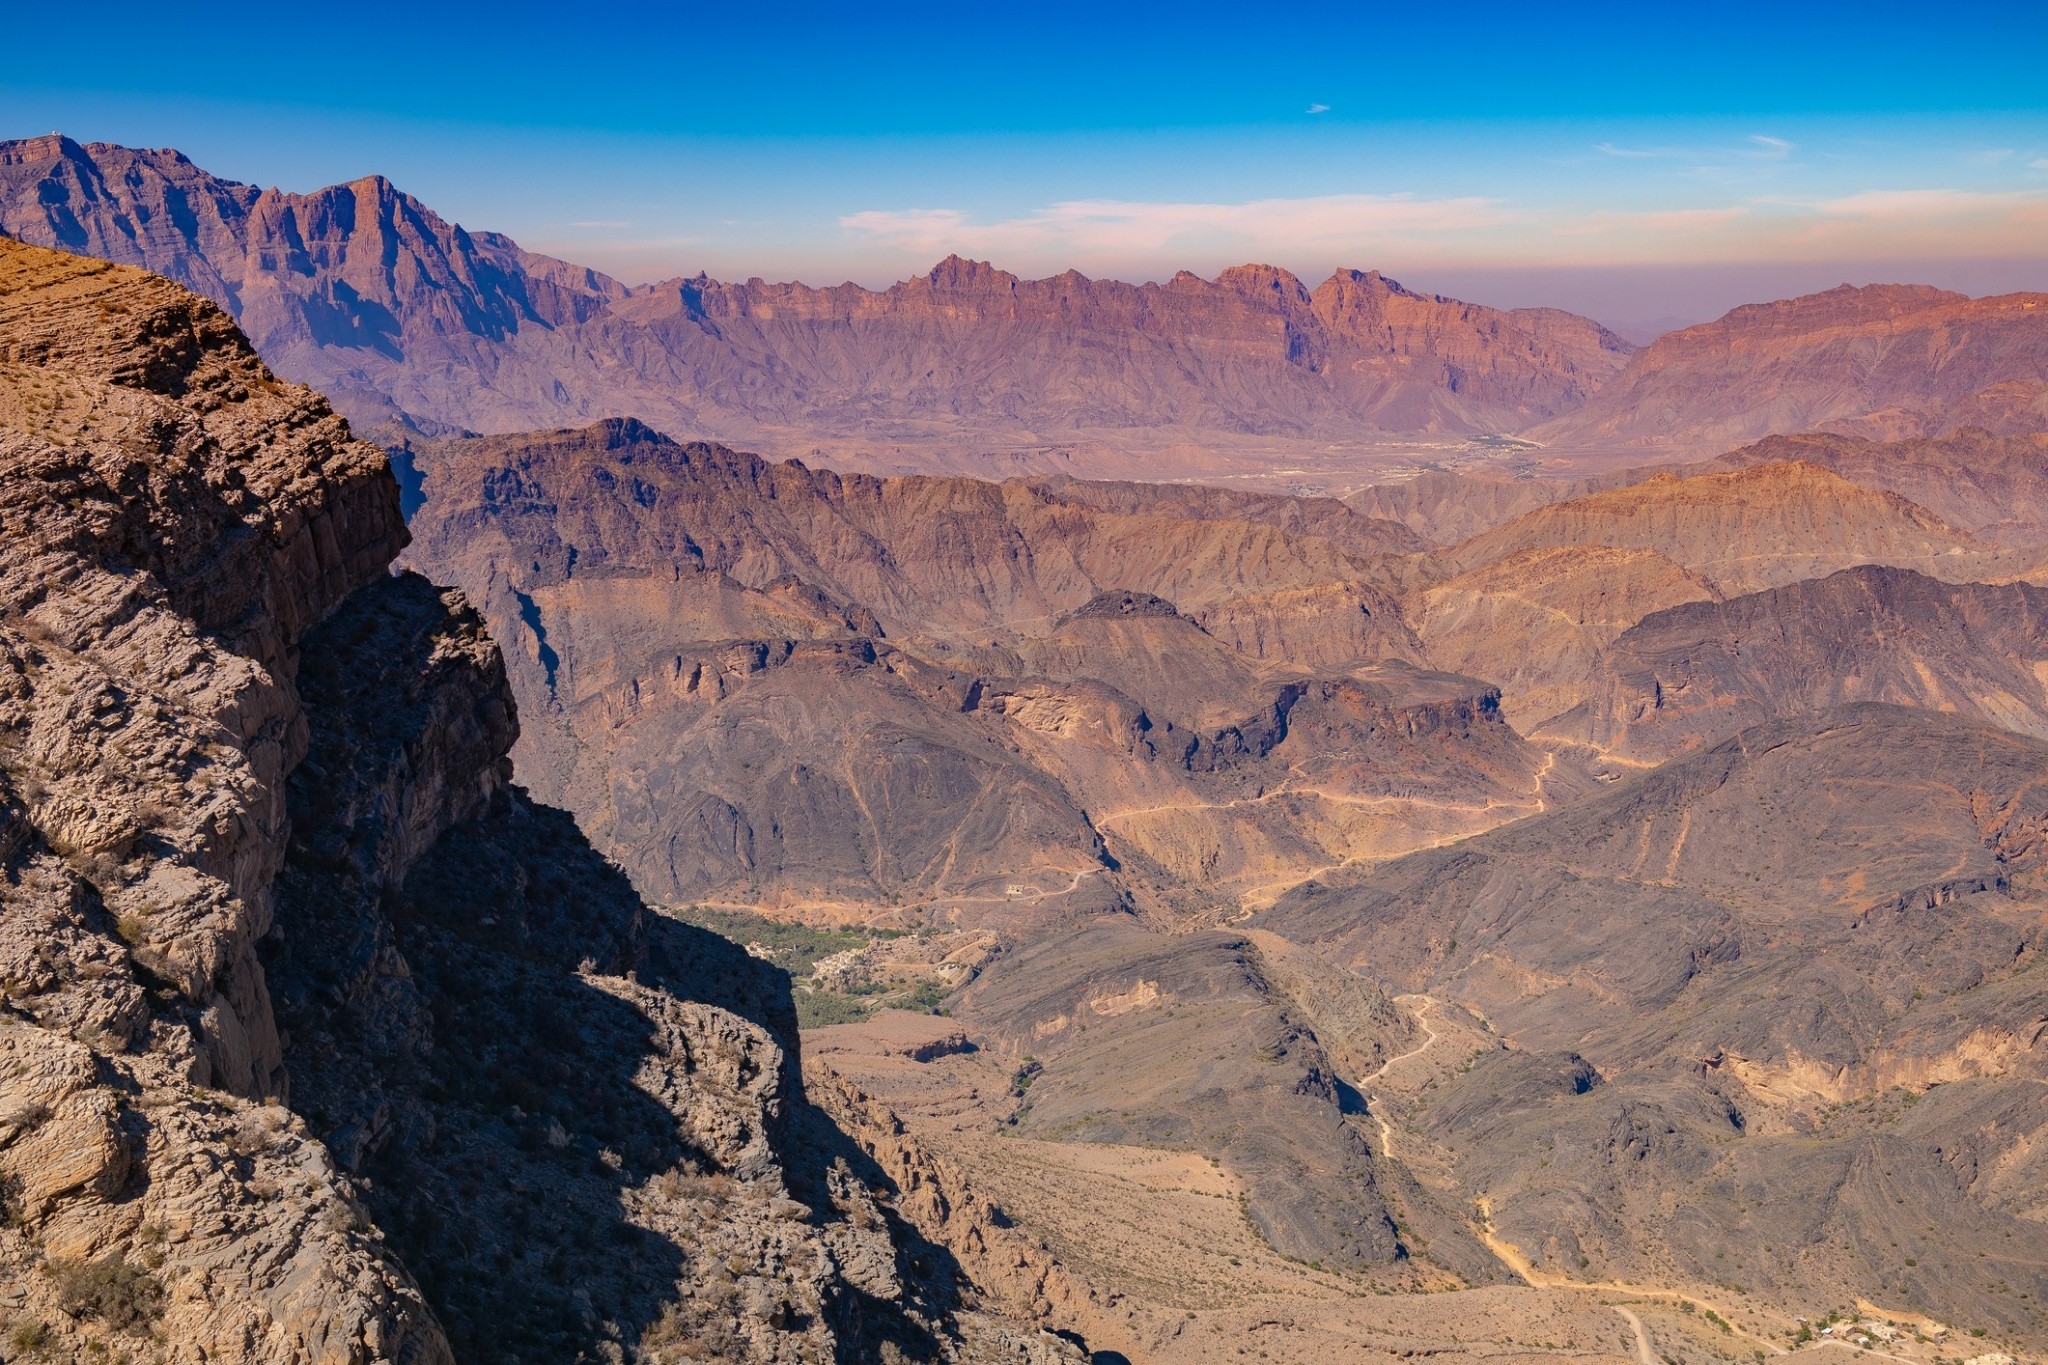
(397, 312)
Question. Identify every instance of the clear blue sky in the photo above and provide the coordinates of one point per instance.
(1637, 161)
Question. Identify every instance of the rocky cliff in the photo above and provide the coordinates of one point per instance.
(364, 291)
(323, 1042)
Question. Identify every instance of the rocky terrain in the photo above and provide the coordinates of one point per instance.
(1986, 485)
(1535, 602)
(1530, 912)
(1687, 677)
(1758, 527)
(1795, 976)
(1181, 797)
(763, 684)
(324, 1042)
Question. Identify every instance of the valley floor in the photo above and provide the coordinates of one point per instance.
(1178, 1273)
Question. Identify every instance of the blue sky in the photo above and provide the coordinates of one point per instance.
(1635, 161)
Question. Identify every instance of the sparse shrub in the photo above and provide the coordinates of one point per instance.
(822, 1009)
(928, 998)
(12, 1212)
(28, 1337)
(114, 1293)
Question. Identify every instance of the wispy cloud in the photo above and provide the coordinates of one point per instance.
(1122, 237)
(1755, 147)
(1108, 232)
(1318, 109)
(1653, 222)
(608, 223)
(1921, 205)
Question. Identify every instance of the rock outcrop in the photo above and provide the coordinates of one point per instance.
(175, 521)
(322, 1042)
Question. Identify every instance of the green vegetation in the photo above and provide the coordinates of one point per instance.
(28, 1338)
(822, 1009)
(799, 948)
(796, 948)
(927, 997)
(124, 1297)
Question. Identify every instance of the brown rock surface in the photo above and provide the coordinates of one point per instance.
(175, 519)
(1752, 528)
(1537, 621)
(1993, 487)
(1795, 976)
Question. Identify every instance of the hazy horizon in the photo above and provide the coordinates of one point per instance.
(1512, 159)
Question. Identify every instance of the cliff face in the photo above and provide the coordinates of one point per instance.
(299, 992)
(367, 293)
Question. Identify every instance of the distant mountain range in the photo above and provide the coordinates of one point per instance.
(368, 294)
(399, 315)
(1890, 362)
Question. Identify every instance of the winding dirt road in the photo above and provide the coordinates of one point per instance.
(1375, 1104)
(1643, 1352)
(1511, 1255)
